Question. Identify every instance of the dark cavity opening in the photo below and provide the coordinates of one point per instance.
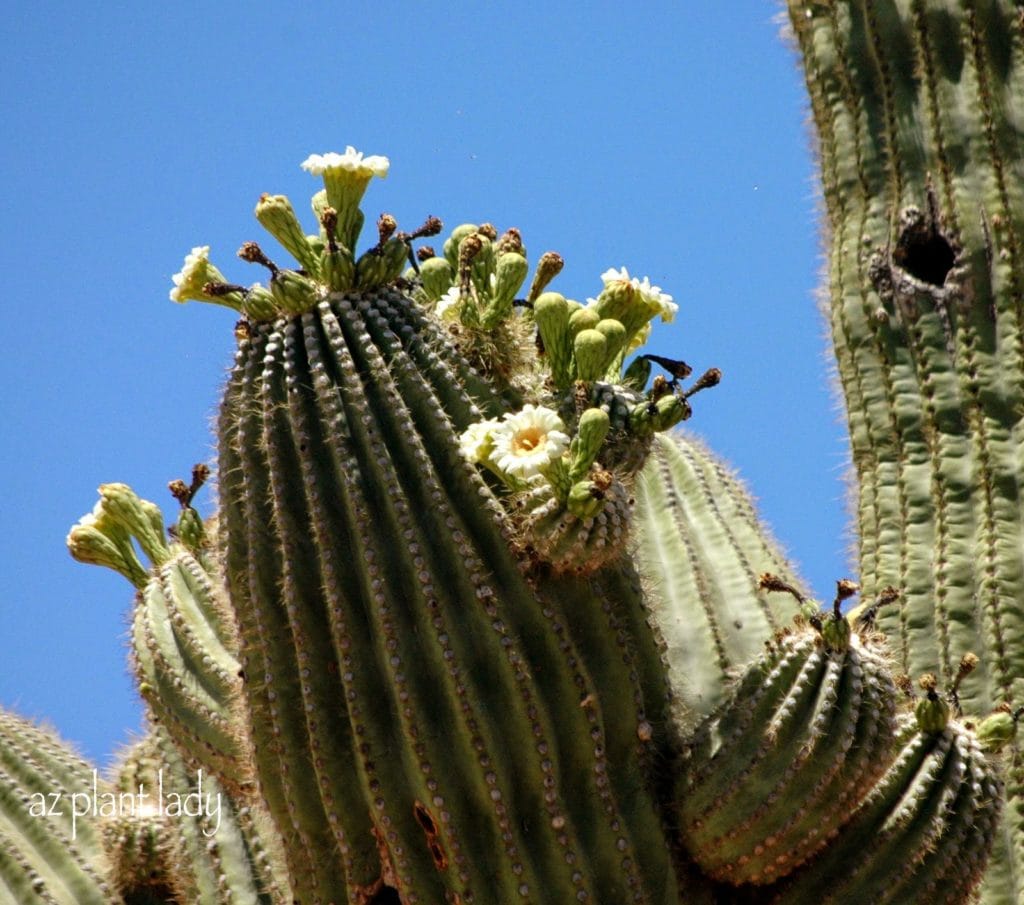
(424, 819)
(926, 255)
(386, 895)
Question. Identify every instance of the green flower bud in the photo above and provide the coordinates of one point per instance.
(259, 303)
(437, 276)
(583, 319)
(615, 336)
(932, 711)
(451, 244)
(293, 292)
(190, 529)
(835, 632)
(337, 269)
(378, 267)
(585, 500)
(88, 544)
(483, 266)
(590, 433)
(509, 275)
(138, 518)
(277, 217)
(650, 417)
(591, 351)
(551, 314)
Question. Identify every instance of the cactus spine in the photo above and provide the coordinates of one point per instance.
(921, 163)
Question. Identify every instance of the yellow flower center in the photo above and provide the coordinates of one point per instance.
(527, 441)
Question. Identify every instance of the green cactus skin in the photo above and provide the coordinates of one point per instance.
(922, 835)
(200, 860)
(774, 774)
(367, 566)
(45, 859)
(182, 642)
(916, 104)
(701, 550)
(183, 635)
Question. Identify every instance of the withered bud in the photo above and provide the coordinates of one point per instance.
(548, 267)
(179, 490)
(488, 230)
(251, 252)
(425, 253)
(469, 248)
(710, 378)
(431, 227)
(968, 663)
(659, 387)
(386, 226)
(903, 683)
(845, 588)
(928, 683)
(771, 582)
(329, 221)
(511, 240)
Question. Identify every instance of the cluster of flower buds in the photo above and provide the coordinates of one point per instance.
(327, 259)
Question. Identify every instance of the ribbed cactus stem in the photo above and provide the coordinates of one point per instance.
(51, 848)
(702, 549)
(400, 597)
(916, 107)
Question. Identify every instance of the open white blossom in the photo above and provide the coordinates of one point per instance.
(351, 160)
(446, 305)
(659, 302)
(475, 441)
(527, 441)
(194, 274)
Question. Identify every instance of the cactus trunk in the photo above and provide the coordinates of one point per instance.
(917, 105)
(453, 718)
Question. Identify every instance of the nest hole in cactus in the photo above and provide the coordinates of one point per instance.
(386, 895)
(925, 254)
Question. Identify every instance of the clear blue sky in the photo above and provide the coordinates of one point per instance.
(666, 137)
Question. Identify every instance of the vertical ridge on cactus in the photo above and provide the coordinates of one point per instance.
(701, 550)
(921, 162)
(48, 854)
(332, 403)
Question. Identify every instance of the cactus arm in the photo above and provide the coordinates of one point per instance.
(701, 549)
(916, 104)
(210, 855)
(45, 857)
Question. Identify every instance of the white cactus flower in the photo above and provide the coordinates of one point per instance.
(447, 305)
(527, 441)
(352, 160)
(194, 274)
(659, 302)
(475, 441)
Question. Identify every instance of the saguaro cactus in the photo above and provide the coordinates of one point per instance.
(492, 625)
(917, 106)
